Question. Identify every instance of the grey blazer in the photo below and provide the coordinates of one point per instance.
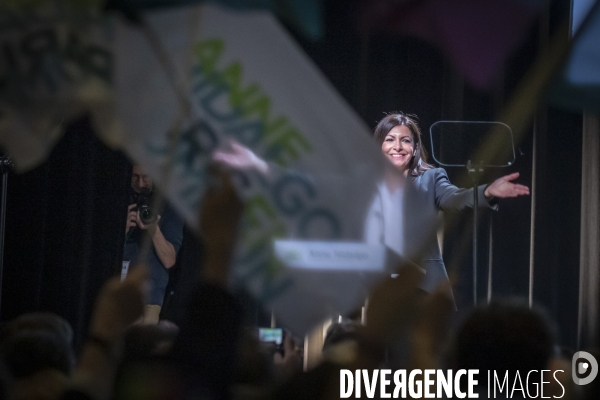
(424, 197)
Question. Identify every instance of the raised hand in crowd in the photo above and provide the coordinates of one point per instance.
(392, 305)
(219, 222)
(431, 328)
(240, 157)
(398, 309)
(289, 361)
(207, 345)
(118, 305)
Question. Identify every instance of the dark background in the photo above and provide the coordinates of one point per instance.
(64, 229)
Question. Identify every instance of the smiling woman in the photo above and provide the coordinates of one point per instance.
(403, 215)
(399, 134)
(398, 146)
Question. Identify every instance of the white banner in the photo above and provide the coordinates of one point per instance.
(56, 62)
(247, 80)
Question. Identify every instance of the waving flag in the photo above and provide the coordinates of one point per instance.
(56, 62)
(477, 36)
(241, 77)
(578, 84)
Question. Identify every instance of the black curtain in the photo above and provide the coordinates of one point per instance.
(65, 228)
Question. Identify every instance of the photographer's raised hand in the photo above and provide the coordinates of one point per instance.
(132, 217)
(151, 228)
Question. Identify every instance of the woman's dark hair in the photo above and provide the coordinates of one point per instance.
(418, 163)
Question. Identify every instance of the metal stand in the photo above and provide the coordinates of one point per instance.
(471, 132)
(5, 167)
(475, 172)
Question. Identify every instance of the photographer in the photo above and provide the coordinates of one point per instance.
(165, 230)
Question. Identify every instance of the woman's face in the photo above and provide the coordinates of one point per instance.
(399, 146)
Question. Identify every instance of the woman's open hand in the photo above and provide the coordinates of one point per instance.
(503, 187)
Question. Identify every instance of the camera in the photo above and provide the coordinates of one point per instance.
(148, 215)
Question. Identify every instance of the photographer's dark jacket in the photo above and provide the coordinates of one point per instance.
(171, 226)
